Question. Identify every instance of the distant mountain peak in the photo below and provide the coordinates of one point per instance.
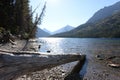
(63, 29)
(68, 26)
(105, 23)
(41, 33)
(46, 30)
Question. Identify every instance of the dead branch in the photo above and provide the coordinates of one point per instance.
(38, 20)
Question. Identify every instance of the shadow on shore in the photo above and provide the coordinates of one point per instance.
(79, 70)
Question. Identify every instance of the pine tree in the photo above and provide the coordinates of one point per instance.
(6, 14)
(23, 17)
(16, 17)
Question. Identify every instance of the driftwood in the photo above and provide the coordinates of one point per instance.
(12, 66)
(20, 52)
(75, 73)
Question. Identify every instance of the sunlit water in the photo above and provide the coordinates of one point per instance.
(89, 46)
(79, 45)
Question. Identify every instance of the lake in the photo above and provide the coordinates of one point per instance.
(79, 45)
(93, 68)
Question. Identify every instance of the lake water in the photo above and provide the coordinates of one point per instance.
(79, 45)
(89, 46)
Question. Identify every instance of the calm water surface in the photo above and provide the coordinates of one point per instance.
(89, 46)
(79, 45)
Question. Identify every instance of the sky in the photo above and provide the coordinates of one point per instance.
(60, 13)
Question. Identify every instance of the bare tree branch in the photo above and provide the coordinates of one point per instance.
(38, 19)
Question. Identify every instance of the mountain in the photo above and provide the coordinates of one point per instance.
(105, 12)
(44, 29)
(41, 33)
(106, 26)
(64, 29)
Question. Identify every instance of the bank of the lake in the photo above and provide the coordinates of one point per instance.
(59, 72)
(100, 53)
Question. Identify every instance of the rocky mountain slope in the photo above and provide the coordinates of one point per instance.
(105, 25)
(64, 29)
(41, 33)
(105, 12)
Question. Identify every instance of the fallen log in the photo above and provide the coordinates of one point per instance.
(75, 73)
(20, 52)
(12, 66)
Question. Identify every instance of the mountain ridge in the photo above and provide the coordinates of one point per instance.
(63, 29)
(46, 30)
(109, 26)
(41, 33)
(105, 12)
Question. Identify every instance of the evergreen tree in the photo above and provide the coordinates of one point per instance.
(23, 17)
(16, 17)
(6, 14)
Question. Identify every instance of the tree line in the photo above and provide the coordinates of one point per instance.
(16, 17)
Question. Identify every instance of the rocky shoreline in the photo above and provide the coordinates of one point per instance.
(100, 64)
(103, 63)
(56, 73)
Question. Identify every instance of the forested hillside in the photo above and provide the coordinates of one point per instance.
(108, 27)
(104, 23)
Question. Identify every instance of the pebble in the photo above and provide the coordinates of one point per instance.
(114, 65)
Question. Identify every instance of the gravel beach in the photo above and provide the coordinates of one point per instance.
(56, 73)
(97, 66)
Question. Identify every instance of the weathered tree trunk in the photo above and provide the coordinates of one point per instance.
(12, 66)
(75, 73)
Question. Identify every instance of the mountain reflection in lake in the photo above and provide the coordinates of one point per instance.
(78, 45)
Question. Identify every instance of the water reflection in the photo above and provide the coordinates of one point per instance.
(77, 45)
(51, 44)
(89, 46)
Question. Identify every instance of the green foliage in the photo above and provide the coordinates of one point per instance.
(23, 17)
(6, 13)
(1, 29)
(15, 16)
